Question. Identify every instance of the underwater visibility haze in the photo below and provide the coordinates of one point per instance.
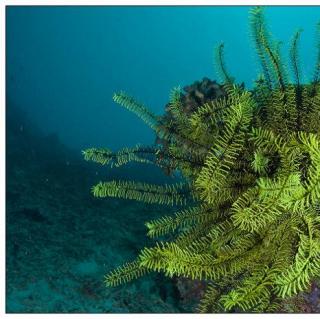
(212, 206)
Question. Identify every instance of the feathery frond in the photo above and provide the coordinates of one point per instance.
(149, 193)
(134, 106)
(250, 168)
(221, 67)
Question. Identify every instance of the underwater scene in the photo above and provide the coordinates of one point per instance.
(162, 159)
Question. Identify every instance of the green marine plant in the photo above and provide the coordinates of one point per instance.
(249, 222)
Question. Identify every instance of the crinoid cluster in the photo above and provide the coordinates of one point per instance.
(249, 222)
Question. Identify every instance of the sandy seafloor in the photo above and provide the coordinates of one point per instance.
(61, 241)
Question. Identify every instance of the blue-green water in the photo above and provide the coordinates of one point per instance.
(63, 65)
